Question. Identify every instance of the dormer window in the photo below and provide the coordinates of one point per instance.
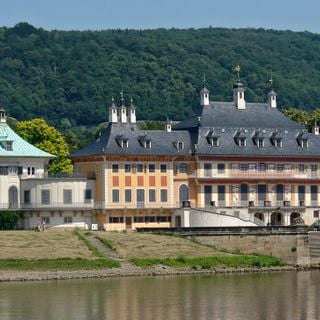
(122, 142)
(179, 145)
(213, 141)
(8, 145)
(145, 142)
(304, 143)
(260, 142)
(242, 142)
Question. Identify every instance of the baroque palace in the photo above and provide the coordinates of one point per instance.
(230, 164)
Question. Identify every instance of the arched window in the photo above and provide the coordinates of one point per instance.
(13, 197)
(183, 193)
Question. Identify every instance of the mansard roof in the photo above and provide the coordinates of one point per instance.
(19, 147)
(226, 114)
(162, 143)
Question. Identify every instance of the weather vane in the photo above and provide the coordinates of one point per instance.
(237, 69)
(271, 82)
(204, 80)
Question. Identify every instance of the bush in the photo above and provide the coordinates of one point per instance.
(9, 220)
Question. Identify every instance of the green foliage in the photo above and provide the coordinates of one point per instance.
(47, 138)
(57, 264)
(69, 77)
(9, 220)
(237, 261)
(151, 125)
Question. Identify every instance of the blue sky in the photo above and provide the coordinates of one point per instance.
(296, 15)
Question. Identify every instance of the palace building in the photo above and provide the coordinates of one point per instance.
(230, 164)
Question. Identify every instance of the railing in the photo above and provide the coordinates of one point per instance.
(56, 176)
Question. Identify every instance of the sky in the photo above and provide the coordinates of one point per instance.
(296, 15)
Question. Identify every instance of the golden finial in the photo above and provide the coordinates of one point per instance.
(237, 69)
(271, 82)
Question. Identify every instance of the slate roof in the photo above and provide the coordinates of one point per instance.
(162, 143)
(221, 120)
(225, 114)
(20, 147)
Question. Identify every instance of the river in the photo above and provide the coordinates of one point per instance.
(281, 295)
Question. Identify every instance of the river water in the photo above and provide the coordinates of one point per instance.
(283, 295)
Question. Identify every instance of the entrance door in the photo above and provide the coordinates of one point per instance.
(128, 222)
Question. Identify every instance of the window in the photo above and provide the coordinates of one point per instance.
(300, 168)
(304, 143)
(242, 142)
(252, 166)
(26, 198)
(127, 168)
(67, 196)
(67, 219)
(261, 167)
(139, 167)
(12, 170)
(152, 168)
(46, 220)
(314, 168)
(235, 167)
(127, 195)
(278, 143)
(116, 220)
(138, 219)
(9, 145)
(271, 166)
(207, 169)
(316, 214)
(147, 144)
(163, 168)
(287, 167)
(31, 171)
(180, 145)
(183, 167)
(279, 167)
(164, 195)
(213, 141)
(221, 195)
(125, 144)
(115, 195)
(260, 142)
(115, 168)
(45, 196)
(314, 195)
(243, 167)
(152, 195)
(87, 195)
(221, 167)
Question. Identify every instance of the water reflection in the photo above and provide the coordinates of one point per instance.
(286, 295)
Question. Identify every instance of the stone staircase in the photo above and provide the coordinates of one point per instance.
(314, 247)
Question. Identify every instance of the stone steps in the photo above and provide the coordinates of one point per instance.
(314, 244)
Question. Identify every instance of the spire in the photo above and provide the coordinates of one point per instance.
(272, 96)
(204, 94)
(238, 91)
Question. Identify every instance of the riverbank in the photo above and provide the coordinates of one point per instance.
(65, 254)
(8, 275)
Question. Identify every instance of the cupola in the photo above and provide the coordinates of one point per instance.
(272, 96)
(132, 112)
(113, 112)
(123, 109)
(315, 129)
(168, 126)
(238, 92)
(204, 95)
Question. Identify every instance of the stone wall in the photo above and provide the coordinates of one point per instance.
(292, 248)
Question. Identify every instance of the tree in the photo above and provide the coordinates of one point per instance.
(9, 220)
(297, 115)
(49, 139)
